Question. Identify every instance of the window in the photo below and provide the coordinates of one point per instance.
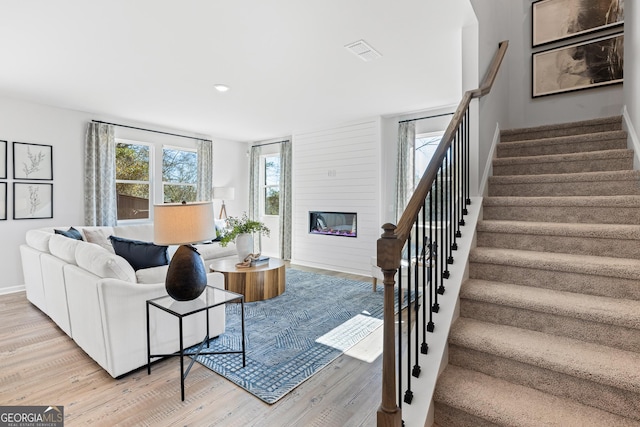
(425, 147)
(133, 180)
(138, 185)
(271, 184)
(179, 174)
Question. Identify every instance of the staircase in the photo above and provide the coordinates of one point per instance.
(549, 326)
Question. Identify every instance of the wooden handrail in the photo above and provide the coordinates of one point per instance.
(405, 223)
(390, 244)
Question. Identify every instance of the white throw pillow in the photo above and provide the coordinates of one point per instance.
(98, 237)
(152, 274)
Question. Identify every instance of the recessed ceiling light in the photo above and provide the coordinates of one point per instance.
(221, 87)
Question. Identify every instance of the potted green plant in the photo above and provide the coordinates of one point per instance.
(241, 230)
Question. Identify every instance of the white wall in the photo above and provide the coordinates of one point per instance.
(337, 169)
(65, 131)
(632, 62)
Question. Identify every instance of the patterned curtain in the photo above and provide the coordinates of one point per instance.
(100, 199)
(205, 170)
(254, 183)
(405, 181)
(285, 200)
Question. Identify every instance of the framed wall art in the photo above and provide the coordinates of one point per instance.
(3, 201)
(592, 63)
(32, 200)
(554, 20)
(3, 159)
(32, 161)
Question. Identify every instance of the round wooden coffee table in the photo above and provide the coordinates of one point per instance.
(255, 283)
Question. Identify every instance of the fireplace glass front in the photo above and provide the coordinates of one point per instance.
(333, 223)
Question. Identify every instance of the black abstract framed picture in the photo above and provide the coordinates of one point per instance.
(592, 63)
(555, 20)
(3, 159)
(32, 200)
(32, 161)
(3, 201)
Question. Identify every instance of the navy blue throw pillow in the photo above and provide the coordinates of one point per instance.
(140, 254)
(71, 233)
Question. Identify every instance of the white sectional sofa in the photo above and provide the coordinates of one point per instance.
(99, 300)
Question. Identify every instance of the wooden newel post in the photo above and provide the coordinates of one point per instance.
(388, 259)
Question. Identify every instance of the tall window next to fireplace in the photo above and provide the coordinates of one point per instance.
(333, 223)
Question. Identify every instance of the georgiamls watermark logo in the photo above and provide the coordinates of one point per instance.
(31, 416)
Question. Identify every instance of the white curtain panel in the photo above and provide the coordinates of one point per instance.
(100, 201)
(254, 183)
(405, 165)
(204, 187)
(285, 200)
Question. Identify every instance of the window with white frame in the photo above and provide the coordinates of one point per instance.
(137, 186)
(270, 183)
(425, 147)
(134, 174)
(179, 174)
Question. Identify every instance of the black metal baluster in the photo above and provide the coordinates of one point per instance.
(408, 394)
(426, 283)
(432, 263)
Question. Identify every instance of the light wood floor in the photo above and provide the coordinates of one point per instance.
(41, 365)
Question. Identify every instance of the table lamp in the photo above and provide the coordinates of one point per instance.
(183, 224)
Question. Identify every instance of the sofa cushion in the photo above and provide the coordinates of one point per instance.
(213, 250)
(103, 263)
(38, 239)
(64, 248)
(71, 233)
(152, 274)
(98, 236)
(140, 254)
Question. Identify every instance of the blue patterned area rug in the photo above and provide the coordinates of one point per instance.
(284, 333)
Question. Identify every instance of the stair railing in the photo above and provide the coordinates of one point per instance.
(422, 243)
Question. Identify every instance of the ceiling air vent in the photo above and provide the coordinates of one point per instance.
(363, 51)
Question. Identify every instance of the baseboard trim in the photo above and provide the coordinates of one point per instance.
(634, 141)
(12, 290)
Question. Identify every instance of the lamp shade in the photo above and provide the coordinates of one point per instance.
(223, 193)
(183, 223)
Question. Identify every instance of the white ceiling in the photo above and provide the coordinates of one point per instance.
(156, 61)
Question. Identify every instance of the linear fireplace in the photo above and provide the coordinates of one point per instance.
(333, 223)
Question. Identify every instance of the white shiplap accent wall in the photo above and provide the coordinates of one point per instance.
(337, 170)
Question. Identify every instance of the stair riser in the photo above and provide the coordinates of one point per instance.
(561, 244)
(579, 188)
(606, 397)
(564, 131)
(564, 214)
(535, 148)
(564, 167)
(589, 331)
(613, 287)
(447, 416)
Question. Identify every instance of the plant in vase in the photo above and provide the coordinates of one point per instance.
(241, 230)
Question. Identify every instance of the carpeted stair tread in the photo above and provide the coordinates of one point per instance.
(603, 183)
(591, 161)
(592, 362)
(604, 231)
(619, 201)
(563, 144)
(623, 268)
(613, 240)
(622, 209)
(599, 176)
(571, 128)
(507, 404)
(613, 311)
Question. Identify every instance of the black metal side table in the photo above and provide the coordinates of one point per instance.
(210, 298)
